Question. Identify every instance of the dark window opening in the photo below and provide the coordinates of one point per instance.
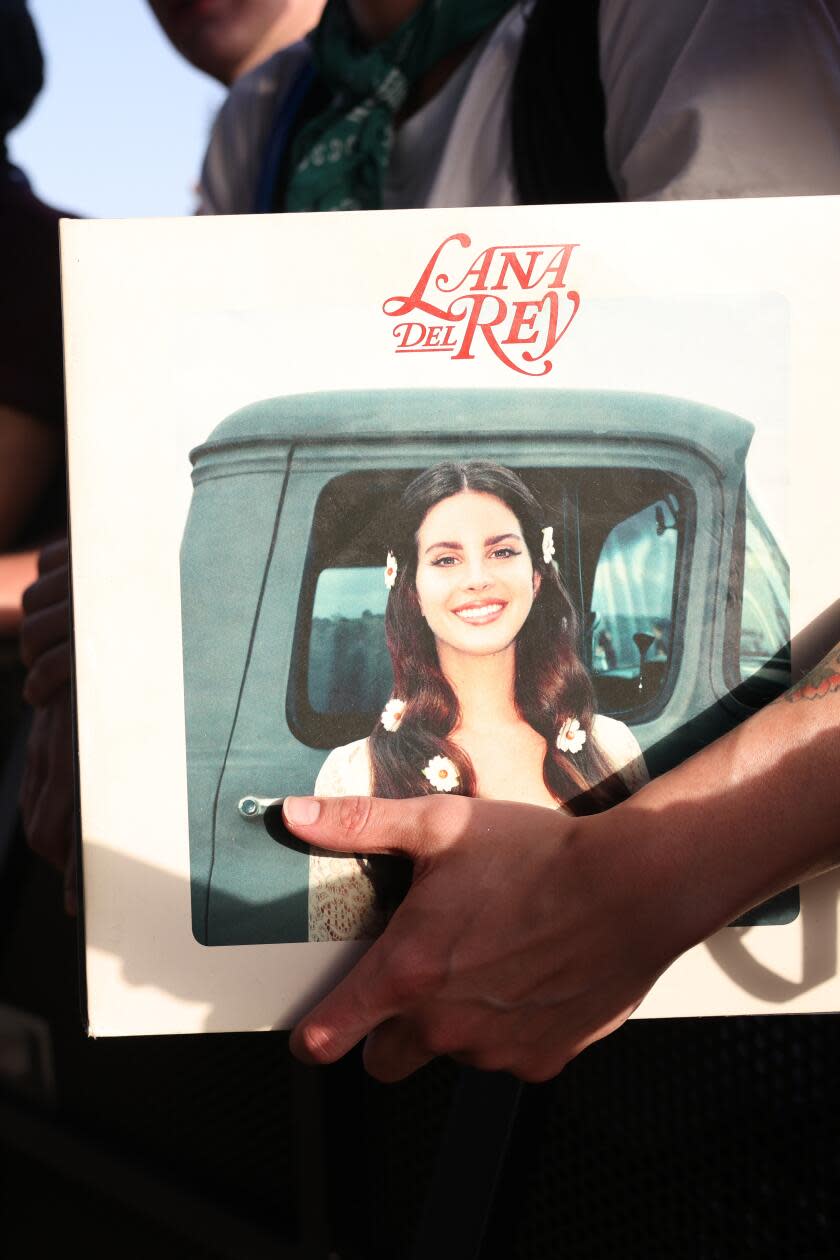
(619, 538)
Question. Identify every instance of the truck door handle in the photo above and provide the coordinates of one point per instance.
(253, 807)
(269, 811)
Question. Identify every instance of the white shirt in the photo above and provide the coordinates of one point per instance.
(705, 98)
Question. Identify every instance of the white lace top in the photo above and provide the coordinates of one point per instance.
(341, 899)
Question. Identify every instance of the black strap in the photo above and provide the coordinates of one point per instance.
(472, 1154)
(559, 112)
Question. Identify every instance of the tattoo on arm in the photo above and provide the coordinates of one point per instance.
(823, 679)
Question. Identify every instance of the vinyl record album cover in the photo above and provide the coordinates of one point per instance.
(347, 491)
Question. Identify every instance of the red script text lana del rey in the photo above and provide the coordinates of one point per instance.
(511, 298)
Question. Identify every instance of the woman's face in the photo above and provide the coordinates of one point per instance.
(475, 580)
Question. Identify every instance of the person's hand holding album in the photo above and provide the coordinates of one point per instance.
(528, 934)
(467, 966)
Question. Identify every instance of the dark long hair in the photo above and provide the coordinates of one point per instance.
(551, 683)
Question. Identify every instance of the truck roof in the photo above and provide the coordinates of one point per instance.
(395, 415)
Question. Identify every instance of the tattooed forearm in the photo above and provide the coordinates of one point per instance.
(824, 678)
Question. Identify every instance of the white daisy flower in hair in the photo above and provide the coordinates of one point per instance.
(548, 544)
(442, 774)
(571, 737)
(392, 714)
(390, 569)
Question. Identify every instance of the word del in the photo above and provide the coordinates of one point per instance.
(511, 299)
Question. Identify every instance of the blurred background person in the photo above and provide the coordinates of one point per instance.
(31, 378)
(227, 38)
(406, 103)
(32, 494)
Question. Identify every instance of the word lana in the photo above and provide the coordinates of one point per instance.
(512, 298)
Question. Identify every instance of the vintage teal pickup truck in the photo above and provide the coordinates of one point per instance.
(682, 589)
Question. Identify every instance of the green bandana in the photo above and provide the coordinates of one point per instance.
(339, 159)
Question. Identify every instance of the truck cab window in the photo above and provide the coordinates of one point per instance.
(631, 617)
